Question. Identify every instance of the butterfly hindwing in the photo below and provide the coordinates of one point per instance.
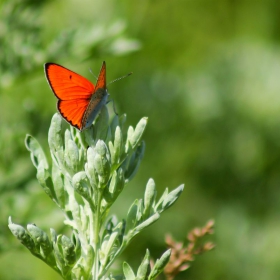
(72, 111)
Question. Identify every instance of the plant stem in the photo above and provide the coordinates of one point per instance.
(96, 235)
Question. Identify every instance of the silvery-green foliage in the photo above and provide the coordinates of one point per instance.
(87, 174)
(145, 272)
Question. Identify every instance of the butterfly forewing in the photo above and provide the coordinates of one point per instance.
(72, 90)
(67, 84)
(101, 81)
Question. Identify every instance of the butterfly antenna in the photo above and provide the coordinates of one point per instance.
(90, 70)
(120, 78)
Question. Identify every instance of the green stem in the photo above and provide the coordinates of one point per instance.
(96, 235)
(120, 250)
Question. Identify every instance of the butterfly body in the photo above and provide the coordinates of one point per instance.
(97, 101)
(79, 101)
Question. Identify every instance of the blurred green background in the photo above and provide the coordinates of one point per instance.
(206, 73)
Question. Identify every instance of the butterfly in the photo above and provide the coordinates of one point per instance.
(79, 101)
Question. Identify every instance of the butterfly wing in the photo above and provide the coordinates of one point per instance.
(98, 99)
(72, 90)
(101, 80)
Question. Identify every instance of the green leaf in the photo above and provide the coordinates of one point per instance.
(36, 152)
(72, 155)
(89, 253)
(90, 169)
(112, 153)
(128, 145)
(136, 136)
(22, 235)
(58, 186)
(149, 198)
(122, 120)
(118, 146)
(45, 180)
(55, 139)
(171, 198)
(80, 184)
(128, 272)
(107, 248)
(53, 235)
(146, 223)
(57, 250)
(68, 249)
(131, 216)
(77, 243)
(160, 264)
(114, 123)
(40, 238)
(159, 203)
(144, 267)
(102, 161)
(115, 187)
(134, 162)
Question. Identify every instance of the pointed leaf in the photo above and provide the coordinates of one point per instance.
(149, 198)
(55, 136)
(138, 132)
(36, 152)
(102, 161)
(41, 238)
(131, 216)
(22, 235)
(134, 162)
(160, 264)
(80, 184)
(144, 267)
(146, 223)
(89, 167)
(128, 272)
(171, 197)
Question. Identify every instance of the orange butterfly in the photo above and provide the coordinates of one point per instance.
(79, 101)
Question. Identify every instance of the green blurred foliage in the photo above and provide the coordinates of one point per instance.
(206, 75)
